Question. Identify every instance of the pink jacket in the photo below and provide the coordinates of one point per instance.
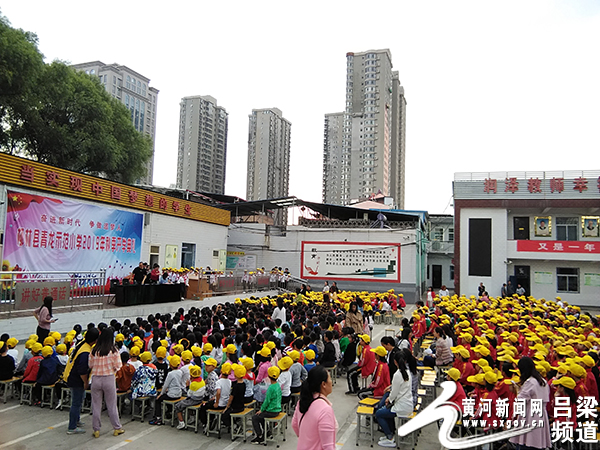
(263, 371)
(319, 417)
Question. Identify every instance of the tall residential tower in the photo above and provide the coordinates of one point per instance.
(372, 133)
(134, 91)
(268, 157)
(202, 149)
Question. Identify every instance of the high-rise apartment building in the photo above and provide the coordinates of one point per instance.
(134, 91)
(202, 149)
(372, 133)
(332, 158)
(268, 157)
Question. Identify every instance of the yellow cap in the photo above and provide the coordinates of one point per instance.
(479, 378)
(49, 341)
(135, 351)
(270, 344)
(36, 348)
(164, 343)
(196, 351)
(12, 342)
(47, 351)
(265, 351)
(56, 335)
(379, 351)
(178, 349)
(211, 362)
(310, 355)
(230, 349)
(491, 377)
(187, 356)
(247, 362)
(146, 357)
(29, 343)
(365, 337)
(577, 370)
(174, 361)
(588, 361)
(207, 348)
(238, 370)
(195, 371)
(33, 337)
(226, 369)
(295, 355)
(61, 349)
(454, 373)
(274, 372)
(119, 338)
(161, 352)
(285, 363)
(567, 382)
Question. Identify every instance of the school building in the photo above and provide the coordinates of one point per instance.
(536, 229)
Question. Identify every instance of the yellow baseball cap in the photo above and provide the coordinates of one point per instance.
(12, 342)
(285, 363)
(195, 371)
(454, 373)
(49, 341)
(174, 361)
(295, 355)
(196, 351)
(231, 348)
(226, 369)
(211, 362)
(161, 352)
(379, 351)
(135, 351)
(119, 338)
(146, 357)
(310, 355)
(264, 351)
(274, 372)
(365, 337)
(567, 382)
(47, 351)
(36, 348)
(187, 356)
(61, 349)
(247, 362)
(479, 378)
(238, 370)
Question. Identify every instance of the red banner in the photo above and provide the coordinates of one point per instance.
(558, 246)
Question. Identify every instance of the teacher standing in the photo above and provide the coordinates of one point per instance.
(43, 314)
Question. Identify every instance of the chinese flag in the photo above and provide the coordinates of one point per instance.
(18, 201)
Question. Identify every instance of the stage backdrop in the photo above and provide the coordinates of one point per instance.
(351, 261)
(48, 234)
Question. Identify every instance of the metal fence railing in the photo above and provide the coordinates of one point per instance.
(23, 291)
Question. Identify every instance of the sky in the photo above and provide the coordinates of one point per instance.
(490, 86)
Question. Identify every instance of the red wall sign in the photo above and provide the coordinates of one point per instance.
(558, 246)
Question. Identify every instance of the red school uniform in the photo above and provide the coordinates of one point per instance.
(381, 380)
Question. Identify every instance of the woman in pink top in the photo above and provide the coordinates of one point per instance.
(315, 413)
(104, 360)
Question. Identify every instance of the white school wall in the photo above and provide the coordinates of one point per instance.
(285, 251)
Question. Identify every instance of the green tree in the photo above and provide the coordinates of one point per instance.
(65, 118)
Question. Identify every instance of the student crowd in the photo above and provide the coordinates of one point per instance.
(497, 350)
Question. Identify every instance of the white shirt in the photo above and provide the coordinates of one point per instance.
(279, 313)
(15, 355)
(401, 395)
(444, 293)
(285, 381)
(136, 364)
(225, 385)
(326, 288)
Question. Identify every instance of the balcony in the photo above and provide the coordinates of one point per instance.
(446, 247)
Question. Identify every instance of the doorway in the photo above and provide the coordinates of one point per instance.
(522, 277)
(436, 276)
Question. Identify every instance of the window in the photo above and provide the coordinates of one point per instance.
(566, 228)
(567, 279)
(437, 234)
(451, 239)
(452, 272)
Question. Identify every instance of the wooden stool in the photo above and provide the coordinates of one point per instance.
(65, 398)
(410, 439)
(9, 384)
(332, 372)
(195, 410)
(253, 404)
(44, 392)
(366, 413)
(294, 400)
(214, 414)
(239, 423)
(369, 401)
(26, 388)
(377, 318)
(121, 396)
(143, 402)
(275, 428)
(170, 403)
